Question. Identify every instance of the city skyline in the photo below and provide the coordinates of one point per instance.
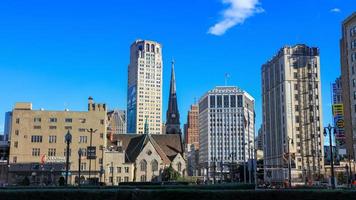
(36, 63)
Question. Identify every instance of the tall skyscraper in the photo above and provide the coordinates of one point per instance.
(348, 79)
(226, 129)
(173, 123)
(191, 128)
(144, 93)
(292, 115)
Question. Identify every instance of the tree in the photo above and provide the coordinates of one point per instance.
(170, 174)
(341, 178)
(61, 181)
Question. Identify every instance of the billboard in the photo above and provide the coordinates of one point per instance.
(131, 109)
(339, 123)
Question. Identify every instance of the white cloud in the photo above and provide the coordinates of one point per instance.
(335, 10)
(237, 12)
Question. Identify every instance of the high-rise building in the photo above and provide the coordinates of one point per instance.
(226, 129)
(38, 144)
(348, 79)
(292, 115)
(260, 139)
(191, 128)
(172, 119)
(191, 134)
(117, 122)
(144, 93)
(340, 140)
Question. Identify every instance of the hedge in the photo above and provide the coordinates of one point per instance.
(171, 194)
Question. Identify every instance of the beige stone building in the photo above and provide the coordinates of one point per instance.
(348, 80)
(292, 115)
(142, 158)
(144, 92)
(38, 148)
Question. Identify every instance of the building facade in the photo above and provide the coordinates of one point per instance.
(226, 130)
(348, 79)
(340, 138)
(191, 134)
(38, 147)
(292, 115)
(191, 128)
(117, 122)
(144, 93)
(143, 157)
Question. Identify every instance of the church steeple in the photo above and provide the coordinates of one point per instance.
(172, 119)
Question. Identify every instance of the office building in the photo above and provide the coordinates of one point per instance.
(348, 80)
(144, 93)
(226, 130)
(292, 115)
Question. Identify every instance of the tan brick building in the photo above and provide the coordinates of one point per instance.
(38, 147)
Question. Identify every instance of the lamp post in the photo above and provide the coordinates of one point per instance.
(327, 129)
(91, 131)
(289, 140)
(68, 138)
(80, 153)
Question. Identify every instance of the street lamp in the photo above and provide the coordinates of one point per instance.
(289, 140)
(80, 153)
(327, 129)
(68, 138)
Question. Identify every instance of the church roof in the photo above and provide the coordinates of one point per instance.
(167, 146)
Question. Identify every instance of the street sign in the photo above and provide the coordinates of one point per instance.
(91, 152)
(340, 123)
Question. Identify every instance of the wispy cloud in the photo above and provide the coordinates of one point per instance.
(335, 10)
(237, 12)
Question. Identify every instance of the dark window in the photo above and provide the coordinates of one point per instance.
(226, 101)
(233, 101)
(219, 101)
(212, 101)
(239, 101)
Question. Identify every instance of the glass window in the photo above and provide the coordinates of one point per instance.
(226, 101)
(143, 165)
(233, 101)
(219, 101)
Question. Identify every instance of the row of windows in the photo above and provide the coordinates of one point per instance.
(217, 101)
(53, 138)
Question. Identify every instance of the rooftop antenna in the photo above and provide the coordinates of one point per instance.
(227, 77)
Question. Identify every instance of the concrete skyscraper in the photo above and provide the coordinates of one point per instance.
(191, 128)
(144, 92)
(348, 79)
(226, 129)
(173, 122)
(292, 115)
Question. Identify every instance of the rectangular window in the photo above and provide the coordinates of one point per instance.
(212, 101)
(68, 127)
(51, 152)
(37, 119)
(36, 152)
(52, 139)
(53, 120)
(226, 101)
(239, 101)
(36, 127)
(126, 170)
(36, 138)
(233, 101)
(219, 101)
(126, 179)
(52, 127)
(17, 122)
(68, 120)
(83, 139)
(118, 169)
(16, 144)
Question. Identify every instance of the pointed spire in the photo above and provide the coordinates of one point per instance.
(172, 123)
(173, 80)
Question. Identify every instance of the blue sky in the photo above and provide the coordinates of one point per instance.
(57, 53)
